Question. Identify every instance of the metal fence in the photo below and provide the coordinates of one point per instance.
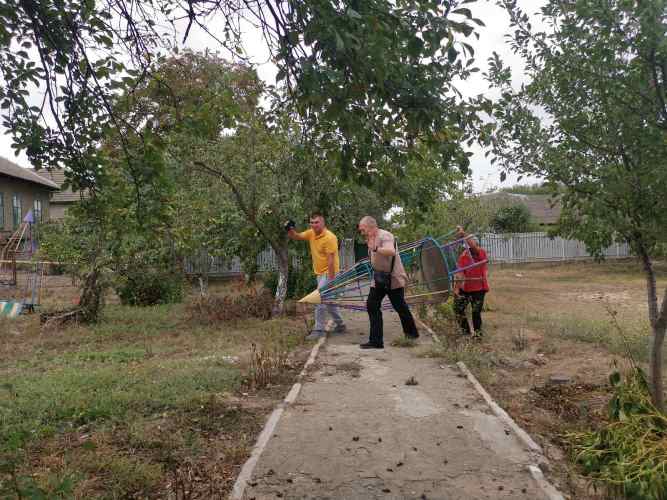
(506, 248)
(539, 247)
(266, 262)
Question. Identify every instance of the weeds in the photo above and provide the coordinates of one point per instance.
(548, 346)
(628, 455)
(267, 364)
(246, 303)
(472, 354)
(519, 340)
(599, 332)
(403, 342)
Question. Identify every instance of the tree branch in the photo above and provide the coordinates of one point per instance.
(661, 99)
(239, 199)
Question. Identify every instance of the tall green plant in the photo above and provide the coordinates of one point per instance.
(628, 455)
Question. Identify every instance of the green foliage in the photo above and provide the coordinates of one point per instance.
(149, 287)
(301, 282)
(377, 73)
(444, 311)
(598, 80)
(628, 454)
(539, 188)
(512, 219)
(113, 231)
(442, 216)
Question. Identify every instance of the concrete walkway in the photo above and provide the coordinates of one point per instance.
(357, 431)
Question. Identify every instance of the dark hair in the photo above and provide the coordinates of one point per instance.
(315, 214)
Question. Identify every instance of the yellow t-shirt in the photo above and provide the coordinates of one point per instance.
(320, 246)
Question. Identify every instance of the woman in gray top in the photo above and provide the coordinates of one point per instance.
(384, 258)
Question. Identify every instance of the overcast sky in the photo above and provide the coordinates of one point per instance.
(492, 38)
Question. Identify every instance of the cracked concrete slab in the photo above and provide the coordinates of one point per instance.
(363, 434)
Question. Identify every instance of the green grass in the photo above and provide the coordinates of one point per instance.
(142, 381)
(602, 332)
(40, 404)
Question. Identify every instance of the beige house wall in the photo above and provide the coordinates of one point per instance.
(57, 211)
(27, 193)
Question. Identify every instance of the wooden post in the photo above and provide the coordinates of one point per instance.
(13, 268)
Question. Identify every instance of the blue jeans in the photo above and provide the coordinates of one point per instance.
(322, 309)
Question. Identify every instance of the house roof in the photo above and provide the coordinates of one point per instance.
(544, 208)
(11, 169)
(57, 176)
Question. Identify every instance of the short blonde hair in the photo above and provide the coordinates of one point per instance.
(369, 221)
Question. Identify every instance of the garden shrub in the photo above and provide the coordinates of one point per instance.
(300, 282)
(137, 287)
(245, 303)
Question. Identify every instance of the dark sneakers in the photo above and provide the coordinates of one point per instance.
(368, 345)
(415, 336)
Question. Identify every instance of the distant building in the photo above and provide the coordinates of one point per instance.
(63, 198)
(22, 190)
(544, 209)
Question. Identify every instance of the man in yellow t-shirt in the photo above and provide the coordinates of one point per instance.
(324, 252)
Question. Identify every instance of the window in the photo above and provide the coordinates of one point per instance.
(16, 210)
(37, 211)
(2, 211)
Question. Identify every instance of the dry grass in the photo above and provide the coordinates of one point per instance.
(580, 320)
(403, 342)
(240, 304)
(520, 340)
(353, 369)
(267, 364)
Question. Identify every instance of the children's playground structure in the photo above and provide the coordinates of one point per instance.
(21, 276)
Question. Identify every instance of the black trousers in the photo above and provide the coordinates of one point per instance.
(476, 300)
(397, 299)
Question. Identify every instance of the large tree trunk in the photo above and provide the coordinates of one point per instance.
(283, 273)
(657, 320)
(92, 297)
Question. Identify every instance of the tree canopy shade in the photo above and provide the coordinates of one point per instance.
(377, 74)
(593, 118)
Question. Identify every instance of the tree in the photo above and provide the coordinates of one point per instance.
(512, 219)
(377, 73)
(105, 242)
(592, 117)
(271, 173)
(458, 206)
(538, 188)
(243, 170)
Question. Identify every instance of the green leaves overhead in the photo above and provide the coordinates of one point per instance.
(592, 115)
(375, 73)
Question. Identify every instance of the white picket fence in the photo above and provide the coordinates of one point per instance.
(502, 248)
(539, 247)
